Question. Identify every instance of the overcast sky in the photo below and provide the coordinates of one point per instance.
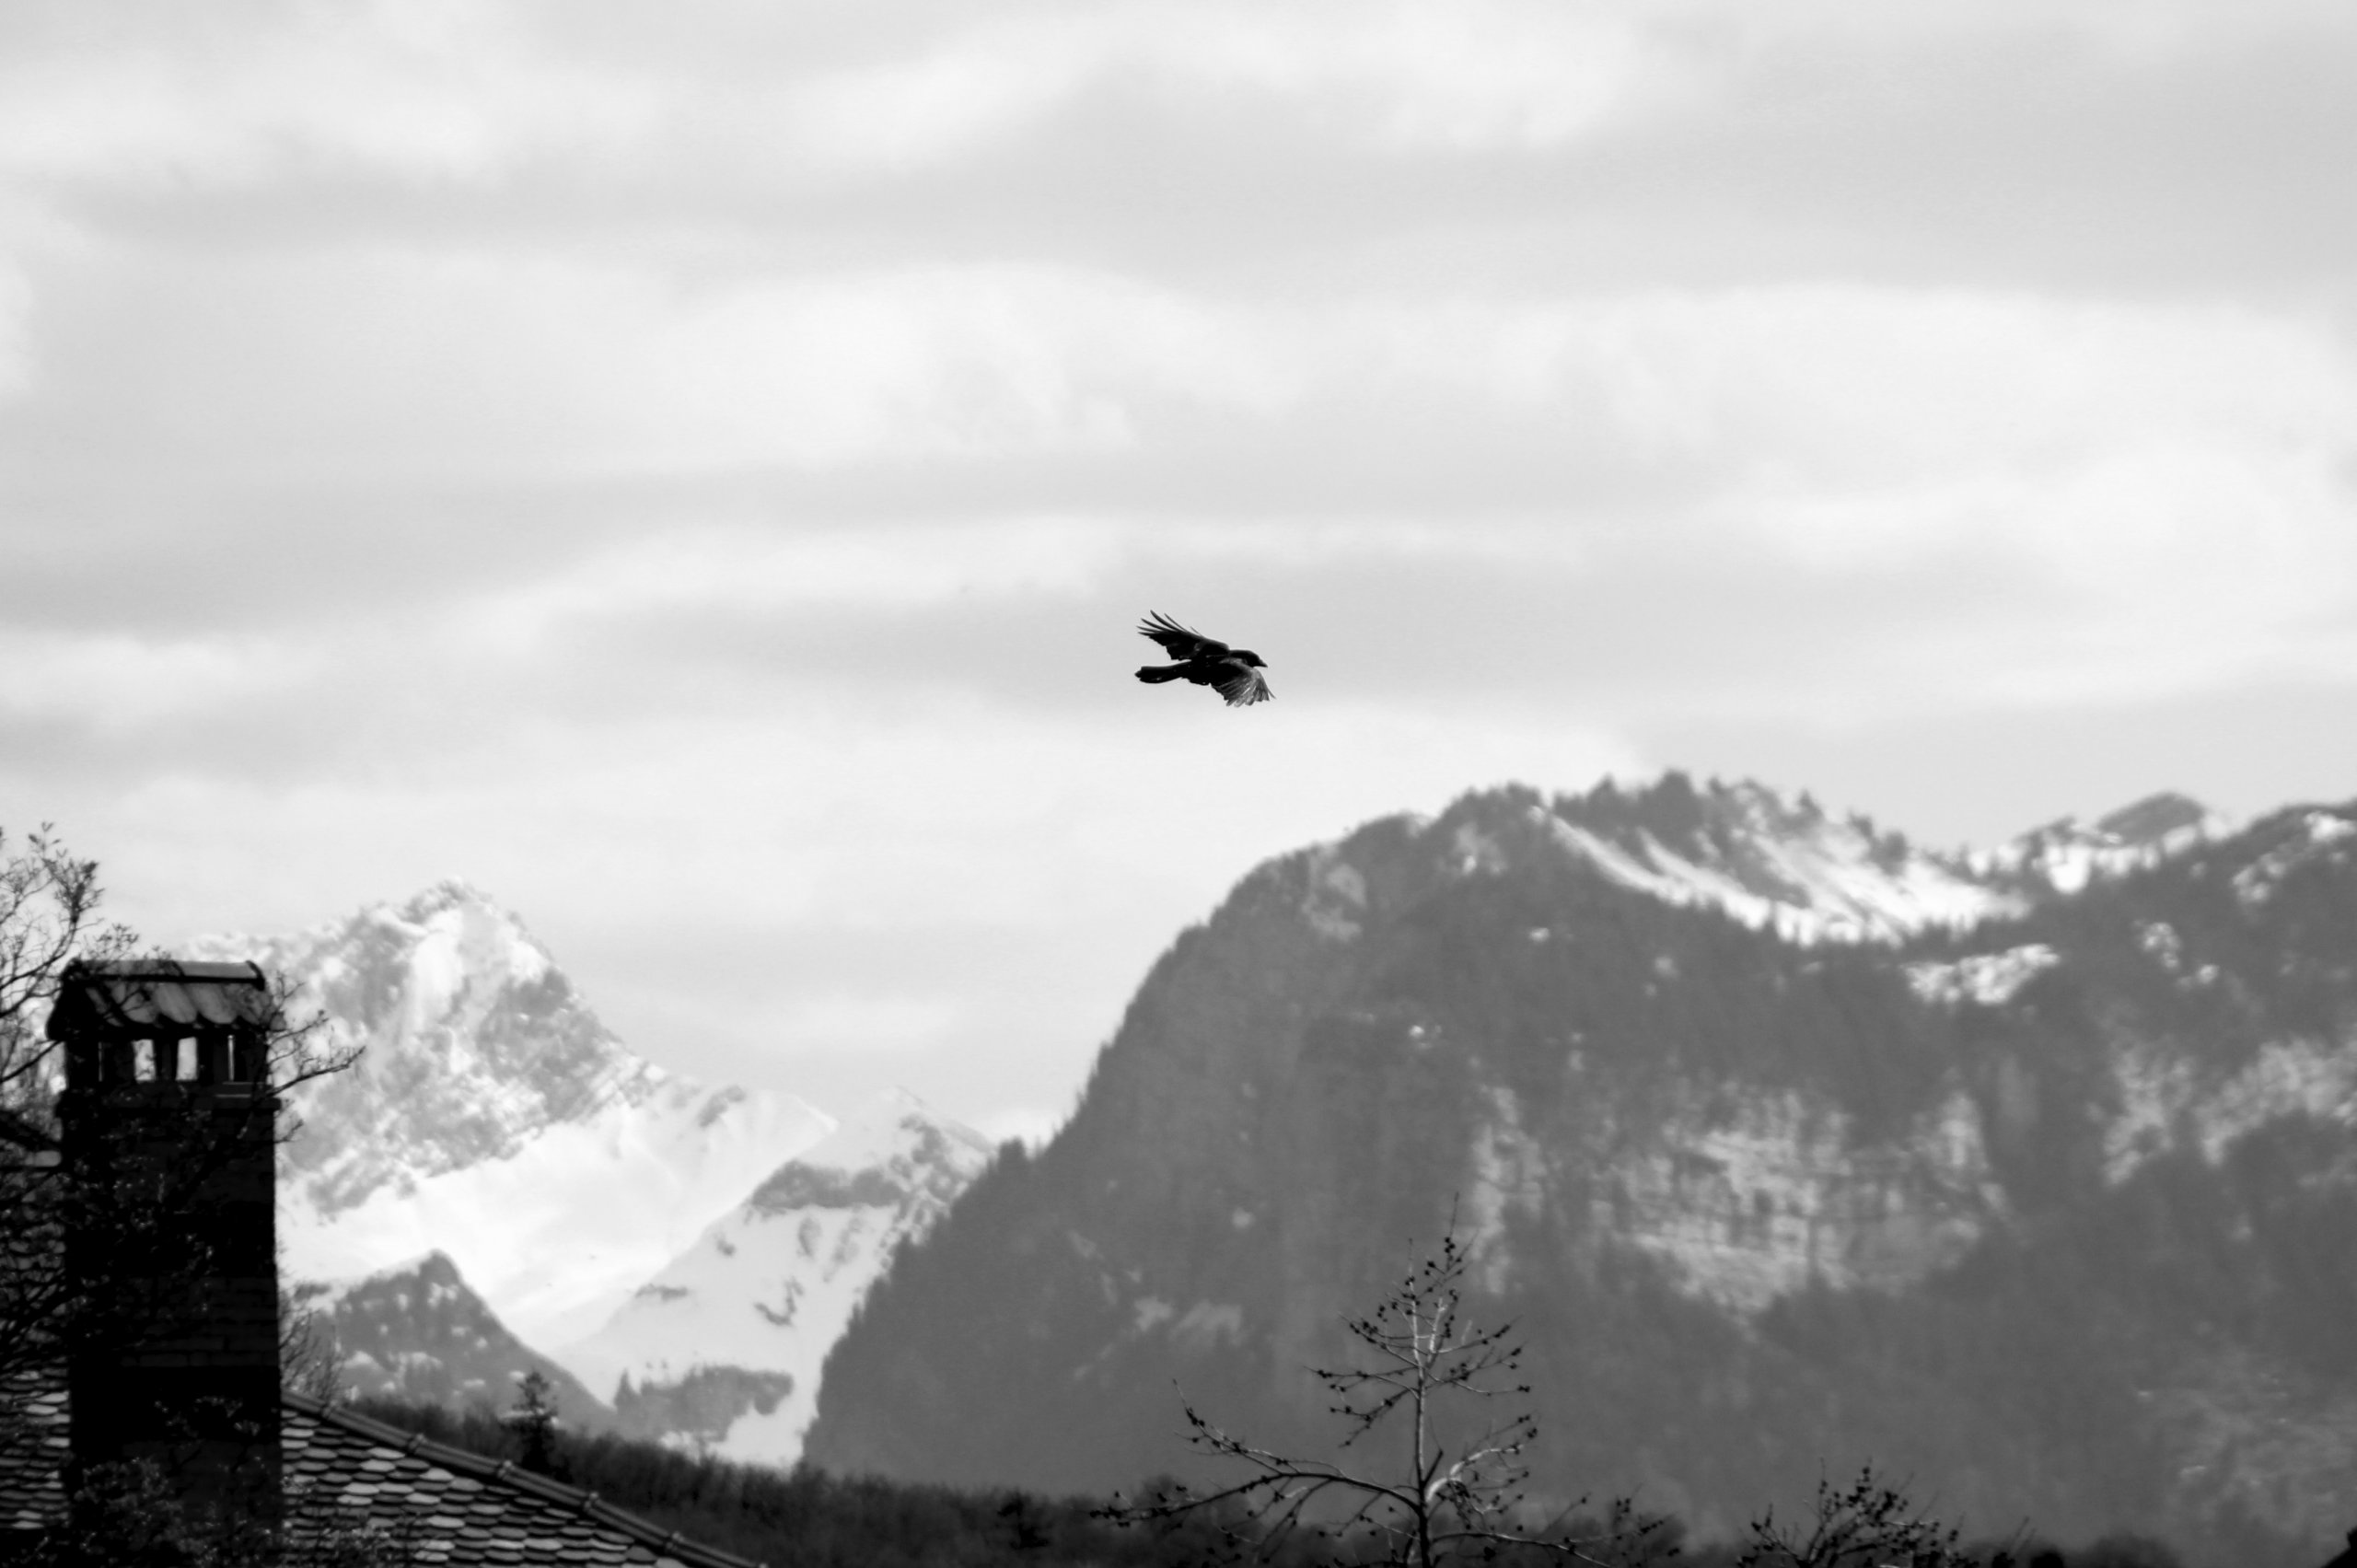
(694, 469)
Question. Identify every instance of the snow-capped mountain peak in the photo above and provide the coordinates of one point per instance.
(894, 1149)
(1777, 862)
(491, 1116)
(474, 1042)
(1770, 861)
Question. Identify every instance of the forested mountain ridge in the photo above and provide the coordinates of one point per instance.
(2053, 1208)
(420, 1333)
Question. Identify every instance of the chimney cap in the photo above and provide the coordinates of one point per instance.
(134, 995)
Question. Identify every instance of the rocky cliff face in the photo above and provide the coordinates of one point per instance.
(1787, 1143)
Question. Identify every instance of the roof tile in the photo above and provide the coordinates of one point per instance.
(454, 1507)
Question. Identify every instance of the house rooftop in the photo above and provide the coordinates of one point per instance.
(449, 1506)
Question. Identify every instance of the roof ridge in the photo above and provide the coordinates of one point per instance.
(503, 1472)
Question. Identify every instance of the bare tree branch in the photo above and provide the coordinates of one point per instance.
(1456, 1492)
(49, 913)
(1871, 1523)
(50, 905)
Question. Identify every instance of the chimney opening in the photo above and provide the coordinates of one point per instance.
(246, 1057)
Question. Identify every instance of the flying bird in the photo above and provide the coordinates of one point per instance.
(1206, 661)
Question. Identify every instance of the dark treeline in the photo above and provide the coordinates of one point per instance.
(808, 1518)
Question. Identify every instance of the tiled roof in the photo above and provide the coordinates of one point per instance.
(452, 1509)
(33, 1452)
(462, 1509)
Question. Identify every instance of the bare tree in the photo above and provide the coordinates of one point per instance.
(309, 1359)
(1871, 1523)
(1427, 1385)
(138, 1209)
(50, 917)
(49, 914)
(49, 903)
(132, 1510)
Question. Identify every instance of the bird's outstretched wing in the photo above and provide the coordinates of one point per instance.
(1246, 687)
(1183, 642)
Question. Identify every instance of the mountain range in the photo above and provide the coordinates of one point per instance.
(1783, 1143)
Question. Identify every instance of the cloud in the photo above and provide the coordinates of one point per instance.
(1009, 872)
(862, 1023)
(1823, 384)
(2147, 572)
(696, 472)
(981, 84)
(15, 357)
(242, 94)
(2027, 500)
(2135, 33)
(1488, 73)
(764, 571)
(238, 96)
(129, 688)
(1032, 1123)
(552, 366)
(2109, 471)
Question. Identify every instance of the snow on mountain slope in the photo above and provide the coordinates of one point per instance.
(1789, 865)
(1985, 978)
(558, 1233)
(1820, 884)
(2314, 835)
(722, 1347)
(2067, 855)
(492, 1117)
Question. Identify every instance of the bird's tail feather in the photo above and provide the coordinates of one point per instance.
(1153, 674)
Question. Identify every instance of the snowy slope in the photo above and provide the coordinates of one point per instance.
(1787, 863)
(722, 1347)
(493, 1117)
(2069, 853)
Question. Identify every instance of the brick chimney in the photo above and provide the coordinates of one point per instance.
(166, 1137)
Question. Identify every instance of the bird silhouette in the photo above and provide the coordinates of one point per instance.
(1205, 661)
